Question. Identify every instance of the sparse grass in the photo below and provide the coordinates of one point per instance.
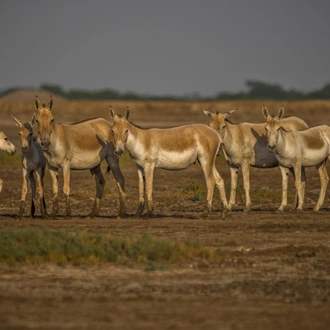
(192, 186)
(33, 246)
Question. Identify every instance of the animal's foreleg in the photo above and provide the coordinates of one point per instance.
(120, 181)
(54, 175)
(149, 179)
(99, 184)
(324, 178)
(297, 171)
(23, 194)
(66, 189)
(40, 190)
(141, 191)
(33, 189)
(285, 178)
(246, 184)
(233, 185)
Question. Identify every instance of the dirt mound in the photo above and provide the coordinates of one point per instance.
(28, 94)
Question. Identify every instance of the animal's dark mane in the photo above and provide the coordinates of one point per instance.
(84, 120)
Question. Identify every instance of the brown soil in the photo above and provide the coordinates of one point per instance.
(274, 273)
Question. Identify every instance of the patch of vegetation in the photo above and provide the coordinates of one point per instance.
(61, 247)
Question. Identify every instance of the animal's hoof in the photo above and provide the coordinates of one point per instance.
(205, 215)
(224, 213)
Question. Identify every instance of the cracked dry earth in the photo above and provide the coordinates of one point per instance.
(274, 272)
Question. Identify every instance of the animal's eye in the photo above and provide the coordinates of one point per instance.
(37, 121)
(6, 139)
(52, 120)
(223, 127)
(126, 131)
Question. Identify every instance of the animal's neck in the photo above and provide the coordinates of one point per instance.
(134, 140)
(227, 136)
(281, 141)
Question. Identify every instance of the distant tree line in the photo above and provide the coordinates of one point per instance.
(256, 90)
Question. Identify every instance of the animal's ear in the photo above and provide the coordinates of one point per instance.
(128, 112)
(33, 120)
(265, 112)
(208, 114)
(228, 113)
(50, 103)
(280, 112)
(112, 113)
(36, 102)
(18, 122)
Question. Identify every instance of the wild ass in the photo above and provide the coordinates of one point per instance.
(297, 150)
(7, 146)
(245, 145)
(34, 168)
(171, 149)
(77, 147)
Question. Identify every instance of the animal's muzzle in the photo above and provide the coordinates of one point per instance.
(44, 144)
(119, 152)
(271, 148)
(25, 149)
(12, 150)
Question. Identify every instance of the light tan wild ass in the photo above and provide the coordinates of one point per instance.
(171, 149)
(245, 145)
(296, 150)
(34, 167)
(7, 146)
(77, 147)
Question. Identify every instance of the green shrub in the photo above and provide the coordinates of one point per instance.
(61, 247)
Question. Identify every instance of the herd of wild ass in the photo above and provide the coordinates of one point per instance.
(285, 142)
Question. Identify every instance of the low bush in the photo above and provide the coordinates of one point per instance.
(62, 247)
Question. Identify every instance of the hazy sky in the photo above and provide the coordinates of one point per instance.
(165, 47)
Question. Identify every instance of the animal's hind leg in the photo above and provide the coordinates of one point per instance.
(210, 183)
(99, 183)
(324, 178)
(113, 163)
(233, 185)
(219, 182)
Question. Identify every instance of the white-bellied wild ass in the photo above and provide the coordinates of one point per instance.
(171, 149)
(34, 167)
(245, 145)
(77, 147)
(7, 146)
(296, 150)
